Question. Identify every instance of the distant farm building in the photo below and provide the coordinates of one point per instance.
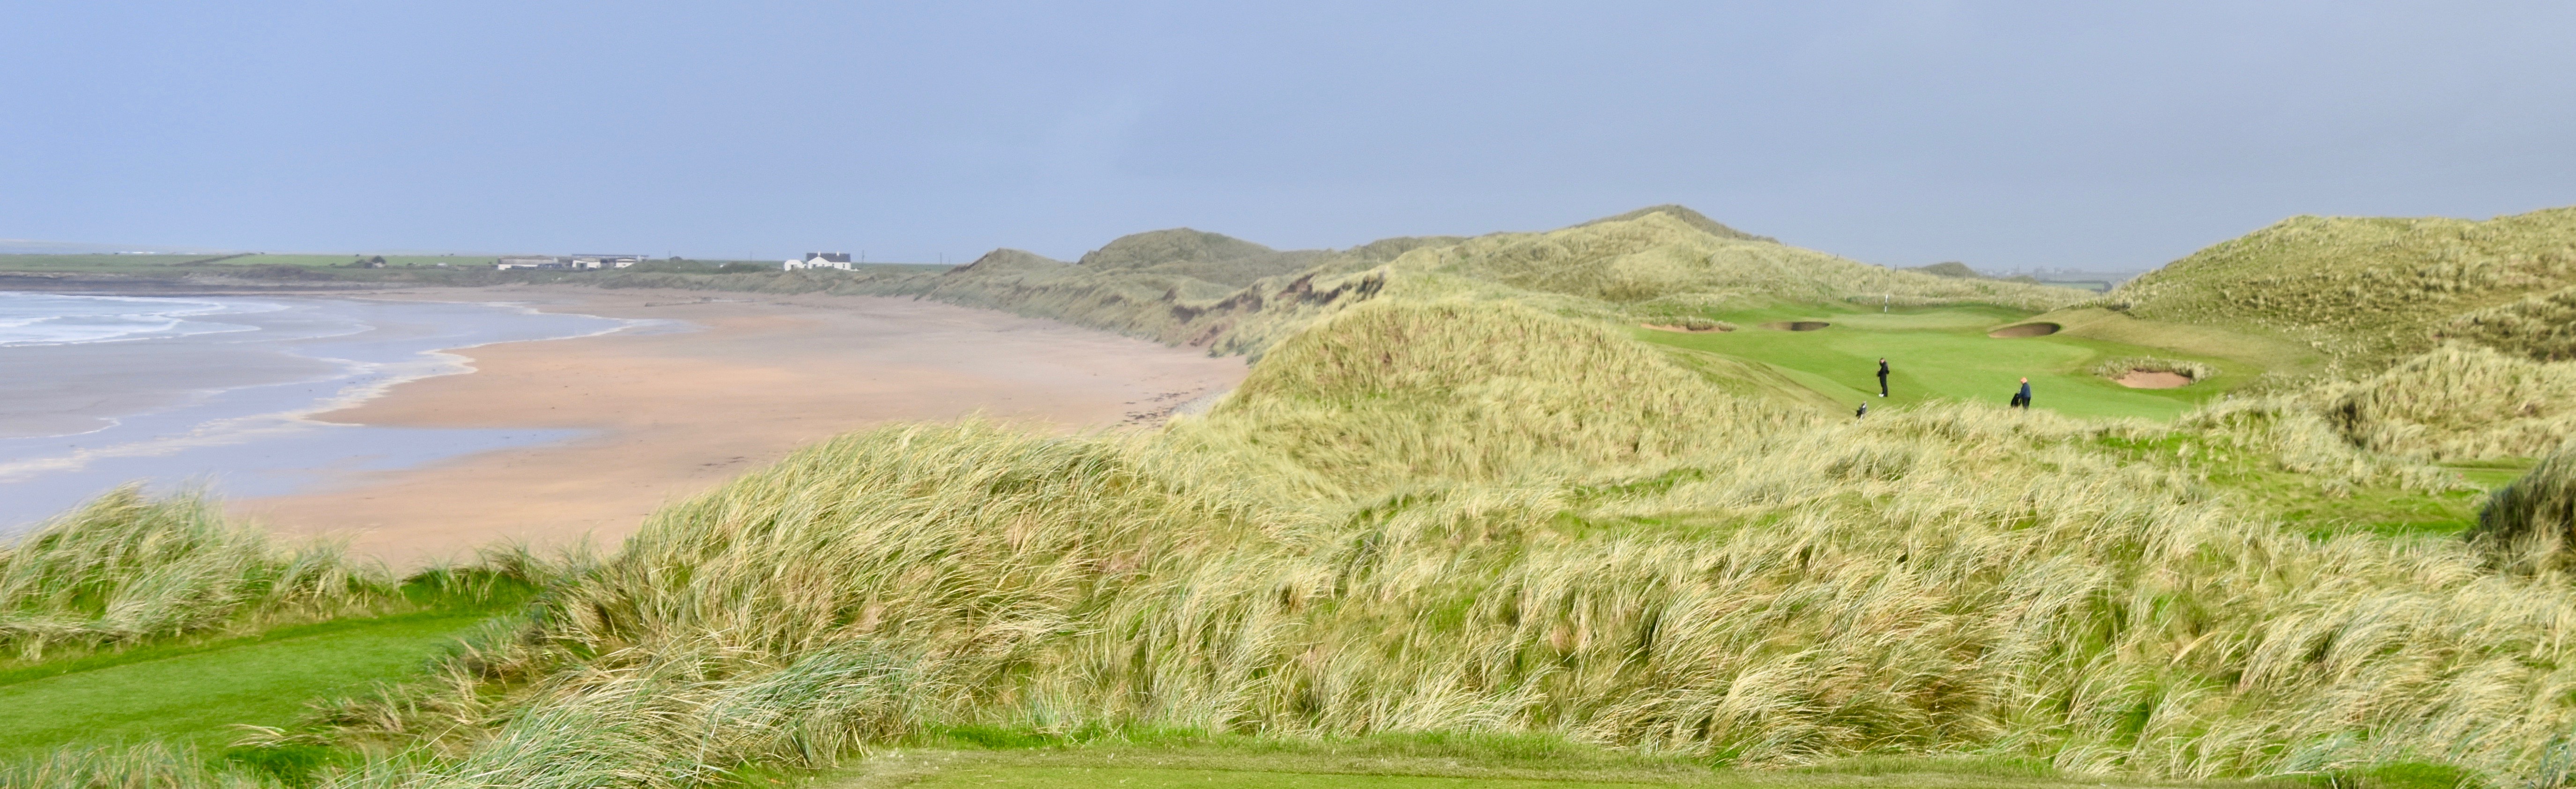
(603, 261)
(574, 262)
(838, 260)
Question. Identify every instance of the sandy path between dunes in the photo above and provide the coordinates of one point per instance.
(676, 413)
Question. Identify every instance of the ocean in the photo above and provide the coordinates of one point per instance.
(216, 392)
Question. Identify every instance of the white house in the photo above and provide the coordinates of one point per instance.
(838, 260)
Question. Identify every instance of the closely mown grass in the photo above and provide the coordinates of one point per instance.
(198, 693)
(1938, 354)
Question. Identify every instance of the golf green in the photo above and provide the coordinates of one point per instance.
(1945, 354)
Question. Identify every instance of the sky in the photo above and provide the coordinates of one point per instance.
(2008, 135)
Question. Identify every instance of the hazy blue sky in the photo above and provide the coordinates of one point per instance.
(1999, 133)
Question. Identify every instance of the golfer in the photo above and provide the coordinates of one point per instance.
(1882, 376)
(2022, 400)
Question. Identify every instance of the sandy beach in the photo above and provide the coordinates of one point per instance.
(673, 413)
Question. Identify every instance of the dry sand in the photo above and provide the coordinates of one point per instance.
(677, 413)
(2153, 379)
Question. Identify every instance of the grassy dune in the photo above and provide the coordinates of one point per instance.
(2368, 289)
(1338, 551)
(123, 569)
(1458, 497)
(1658, 264)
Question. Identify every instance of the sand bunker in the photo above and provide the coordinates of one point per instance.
(1796, 325)
(2153, 379)
(2025, 330)
(1669, 327)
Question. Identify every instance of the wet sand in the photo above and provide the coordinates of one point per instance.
(672, 414)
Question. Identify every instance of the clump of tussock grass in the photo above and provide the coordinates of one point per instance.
(1393, 394)
(2541, 326)
(2288, 434)
(123, 568)
(2530, 525)
(2460, 402)
(149, 765)
(2115, 368)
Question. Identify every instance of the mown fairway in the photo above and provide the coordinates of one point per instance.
(196, 694)
(1944, 354)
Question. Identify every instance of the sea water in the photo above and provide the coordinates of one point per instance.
(217, 392)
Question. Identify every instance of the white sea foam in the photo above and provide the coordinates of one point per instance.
(49, 319)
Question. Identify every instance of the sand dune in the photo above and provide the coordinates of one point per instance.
(676, 412)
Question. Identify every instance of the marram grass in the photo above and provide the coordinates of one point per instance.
(124, 568)
(2530, 525)
(2460, 402)
(1674, 574)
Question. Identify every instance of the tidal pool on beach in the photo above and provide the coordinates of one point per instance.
(217, 391)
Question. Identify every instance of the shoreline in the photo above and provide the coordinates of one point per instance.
(664, 415)
(220, 394)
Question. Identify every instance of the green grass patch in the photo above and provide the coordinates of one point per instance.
(1943, 353)
(192, 691)
(2322, 511)
(196, 693)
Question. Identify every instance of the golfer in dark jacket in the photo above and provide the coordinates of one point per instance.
(1882, 376)
(2022, 400)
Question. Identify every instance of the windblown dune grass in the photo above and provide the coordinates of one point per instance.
(2366, 289)
(1328, 554)
(2461, 402)
(2531, 524)
(124, 568)
(1453, 497)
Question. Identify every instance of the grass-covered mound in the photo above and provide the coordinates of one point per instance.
(1334, 554)
(2531, 524)
(1390, 394)
(2541, 326)
(1458, 498)
(1660, 260)
(2461, 402)
(2370, 290)
(1662, 264)
(124, 569)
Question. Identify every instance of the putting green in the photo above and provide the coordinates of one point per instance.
(1944, 354)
